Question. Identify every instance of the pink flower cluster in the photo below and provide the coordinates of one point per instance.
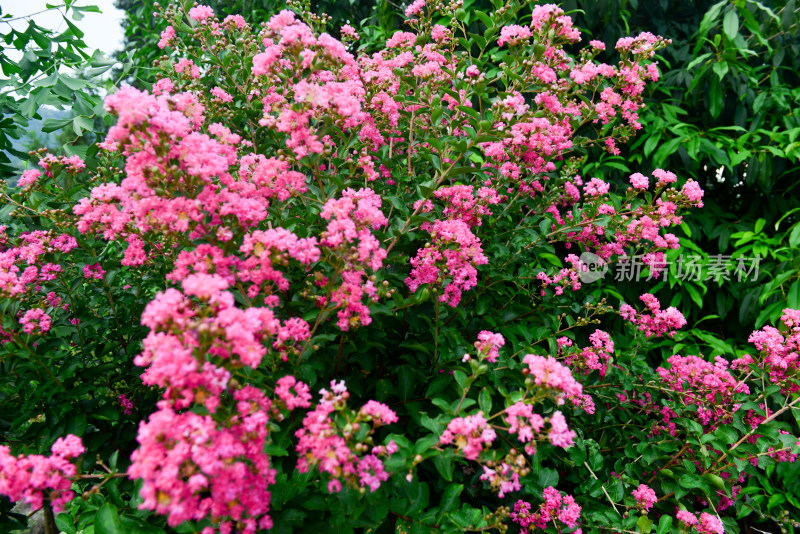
(504, 479)
(645, 497)
(264, 250)
(568, 277)
(693, 193)
(654, 321)
(556, 507)
(54, 164)
(93, 272)
(550, 17)
(30, 477)
(634, 228)
(462, 205)
(125, 403)
(548, 373)
(469, 434)
(707, 524)
(352, 218)
(35, 321)
(450, 262)
(525, 424)
(488, 345)
(595, 357)
(335, 451)
(19, 272)
(200, 13)
(193, 467)
(504, 476)
(415, 8)
(193, 368)
(513, 35)
(166, 37)
(29, 178)
(639, 181)
(299, 398)
(291, 47)
(710, 387)
(528, 427)
(779, 353)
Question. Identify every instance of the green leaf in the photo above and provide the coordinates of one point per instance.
(711, 17)
(715, 98)
(720, 68)
(106, 521)
(484, 18)
(664, 524)
(51, 125)
(793, 296)
(645, 524)
(485, 401)
(65, 523)
(788, 15)
(691, 481)
(651, 143)
(696, 61)
(666, 150)
(460, 377)
(461, 170)
(81, 124)
(794, 237)
(730, 24)
(74, 29)
(548, 477)
(445, 465)
(73, 83)
(694, 294)
(727, 434)
(715, 480)
(472, 112)
(449, 500)
(417, 494)
(76, 423)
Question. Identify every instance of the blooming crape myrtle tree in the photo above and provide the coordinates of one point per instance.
(315, 289)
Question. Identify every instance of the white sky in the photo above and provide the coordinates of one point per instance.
(102, 30)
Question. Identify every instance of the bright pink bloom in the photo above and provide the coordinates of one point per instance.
(35, 321)
(645, 497)
(29, 178)
(664, 177)
(554, 508)
(686, 517)
(692, 191)
(514, 35)
(29, 477)
(221, 94)
(166, 36)
(200, 13)
(469, 434)
(300, 398)
(378, 412)
(489, 344)
(93, 272)
(415, 7)
(549, 373)
(639, 181)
